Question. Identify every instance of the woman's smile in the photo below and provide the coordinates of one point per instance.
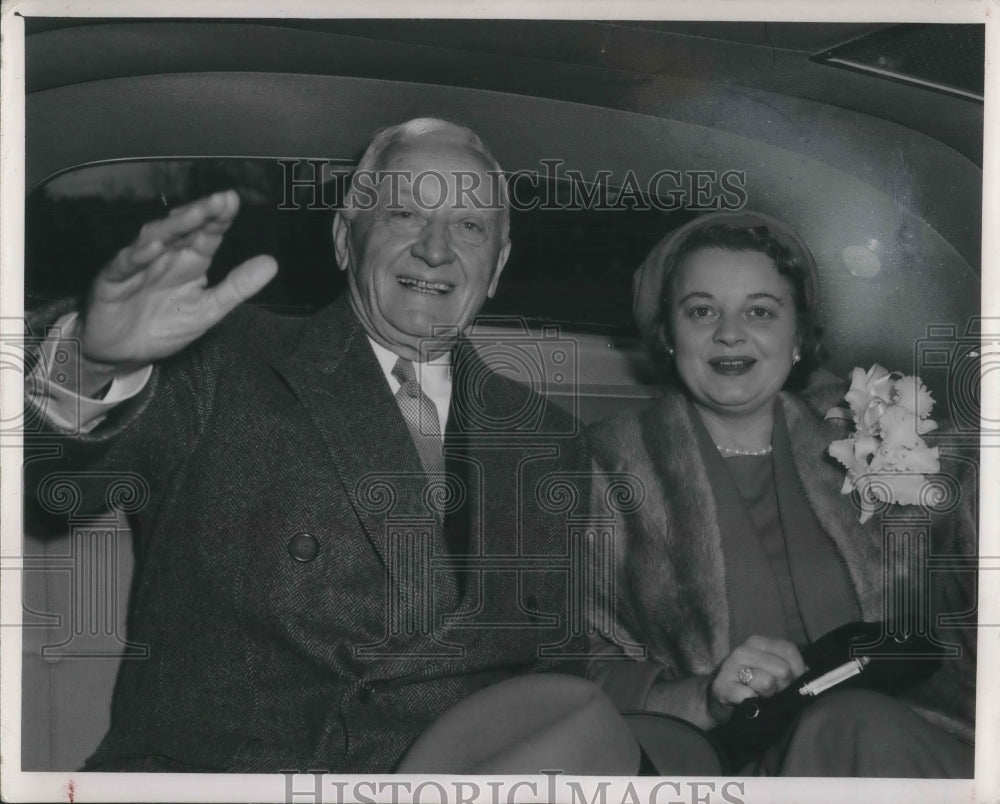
(732, 366)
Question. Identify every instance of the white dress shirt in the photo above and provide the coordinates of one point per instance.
(69, 411)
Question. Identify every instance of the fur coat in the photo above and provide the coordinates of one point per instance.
(661, 594)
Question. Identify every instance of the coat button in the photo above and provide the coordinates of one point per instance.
(365, 693)
(303, 547)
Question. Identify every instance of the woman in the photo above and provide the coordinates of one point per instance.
(737, 549)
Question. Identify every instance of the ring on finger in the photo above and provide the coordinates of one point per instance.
(745, 675)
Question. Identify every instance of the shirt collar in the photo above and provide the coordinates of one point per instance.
(434, 377)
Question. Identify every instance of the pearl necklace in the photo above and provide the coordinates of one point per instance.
(733, 452)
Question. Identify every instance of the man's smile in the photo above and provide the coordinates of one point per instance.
(423, 286)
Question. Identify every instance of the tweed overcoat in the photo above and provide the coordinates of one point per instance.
(294, 617)
(663, 601)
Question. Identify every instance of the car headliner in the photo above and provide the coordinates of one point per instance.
(845, 157)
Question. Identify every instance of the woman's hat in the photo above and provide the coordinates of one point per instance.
(553, 722)
(650, 277)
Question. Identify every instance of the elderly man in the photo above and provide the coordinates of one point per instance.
(328, 556)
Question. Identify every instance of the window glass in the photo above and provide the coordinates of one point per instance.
(571, 266)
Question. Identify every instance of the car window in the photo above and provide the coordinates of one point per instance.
(575, 243)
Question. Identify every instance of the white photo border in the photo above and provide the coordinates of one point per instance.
(25, 786)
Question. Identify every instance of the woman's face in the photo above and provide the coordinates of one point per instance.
(734, 329)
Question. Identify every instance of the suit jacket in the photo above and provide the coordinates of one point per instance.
(664, 595)
(296, 613)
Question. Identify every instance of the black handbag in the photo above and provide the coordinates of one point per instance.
(870, 655)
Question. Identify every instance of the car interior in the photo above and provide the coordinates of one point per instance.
(867, 138)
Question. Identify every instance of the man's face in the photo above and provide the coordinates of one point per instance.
(430, 251)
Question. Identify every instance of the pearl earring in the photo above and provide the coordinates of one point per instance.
(796, 357)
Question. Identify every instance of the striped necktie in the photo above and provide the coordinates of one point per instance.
(421, 417)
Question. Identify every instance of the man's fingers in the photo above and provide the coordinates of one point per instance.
(156, 263)
(198, 226)
(213, 213)
(147, 253)
(131, 260)
(243, 281)
(223, 197)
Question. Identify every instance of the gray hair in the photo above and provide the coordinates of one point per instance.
(403, 133)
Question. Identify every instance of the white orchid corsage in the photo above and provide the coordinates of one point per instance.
(886, 458)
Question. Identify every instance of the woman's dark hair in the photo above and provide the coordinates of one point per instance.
(790, 263)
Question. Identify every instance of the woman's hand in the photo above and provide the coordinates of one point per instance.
(760, 667)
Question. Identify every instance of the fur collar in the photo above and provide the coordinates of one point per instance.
(668, 551)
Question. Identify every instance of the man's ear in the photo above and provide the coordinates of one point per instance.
(341, 241)
(501, 262)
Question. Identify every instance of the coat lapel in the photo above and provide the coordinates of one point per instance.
(473, 460)
(336, 377)
(859, 545)
(672, 563)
